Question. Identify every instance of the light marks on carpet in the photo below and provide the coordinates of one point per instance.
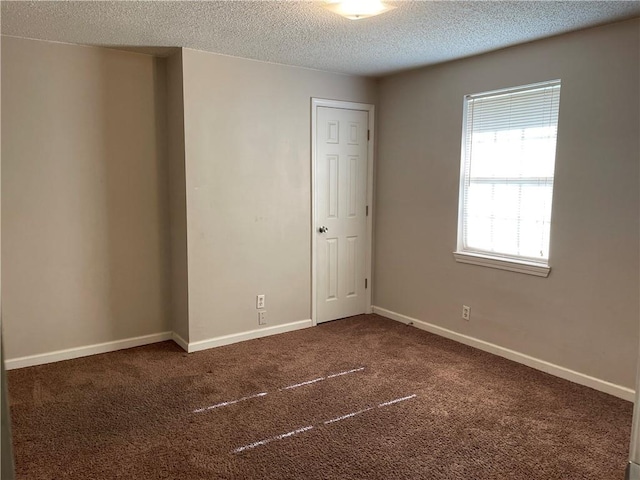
(302, 384)
(230, 402)
(397, 400)
(289, 387)
(346, 372)
(320, 379)
(380, 405)
(328, 422)
(348, 415)
(269, 440)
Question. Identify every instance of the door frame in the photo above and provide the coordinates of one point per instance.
(321, 102)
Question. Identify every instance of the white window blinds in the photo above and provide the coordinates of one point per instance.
(509, 146)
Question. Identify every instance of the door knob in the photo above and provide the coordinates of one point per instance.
(323, 229)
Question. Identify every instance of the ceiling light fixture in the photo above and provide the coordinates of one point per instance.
(357, 9)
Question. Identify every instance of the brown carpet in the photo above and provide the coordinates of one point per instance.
(157, 413)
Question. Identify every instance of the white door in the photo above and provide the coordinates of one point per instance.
(341, 210)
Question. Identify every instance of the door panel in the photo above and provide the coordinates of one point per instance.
(341, 195)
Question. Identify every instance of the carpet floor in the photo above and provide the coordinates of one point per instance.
(360, 398)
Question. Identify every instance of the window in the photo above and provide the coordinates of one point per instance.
(508, 160)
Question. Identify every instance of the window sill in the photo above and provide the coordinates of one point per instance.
(520, 266)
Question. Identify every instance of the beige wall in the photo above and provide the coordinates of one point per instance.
(585, 315)
(84, 197)
(96, 209)
(247, 138)
(94, 173)
(6, 453)
(177, 197)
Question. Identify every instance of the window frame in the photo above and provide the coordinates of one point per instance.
(513, 263)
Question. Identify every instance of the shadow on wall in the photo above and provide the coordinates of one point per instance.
(136, 196)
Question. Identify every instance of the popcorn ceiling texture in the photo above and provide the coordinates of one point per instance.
(305, 34)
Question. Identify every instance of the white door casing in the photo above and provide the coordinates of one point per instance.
(342, 161)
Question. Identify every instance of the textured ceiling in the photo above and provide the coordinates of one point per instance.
(305, 34)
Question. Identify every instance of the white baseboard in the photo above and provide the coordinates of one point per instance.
(68, 354)
(180, 341)
(250, 335)
(85, 351)
(547, 367)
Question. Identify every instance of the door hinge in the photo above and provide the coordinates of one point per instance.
(368, 135)
(366, 282)
(367, 210)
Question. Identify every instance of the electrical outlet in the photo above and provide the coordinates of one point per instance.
(259, 301)
(466, 312)
(262, 317)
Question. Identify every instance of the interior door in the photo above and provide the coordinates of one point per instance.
(341, 224)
